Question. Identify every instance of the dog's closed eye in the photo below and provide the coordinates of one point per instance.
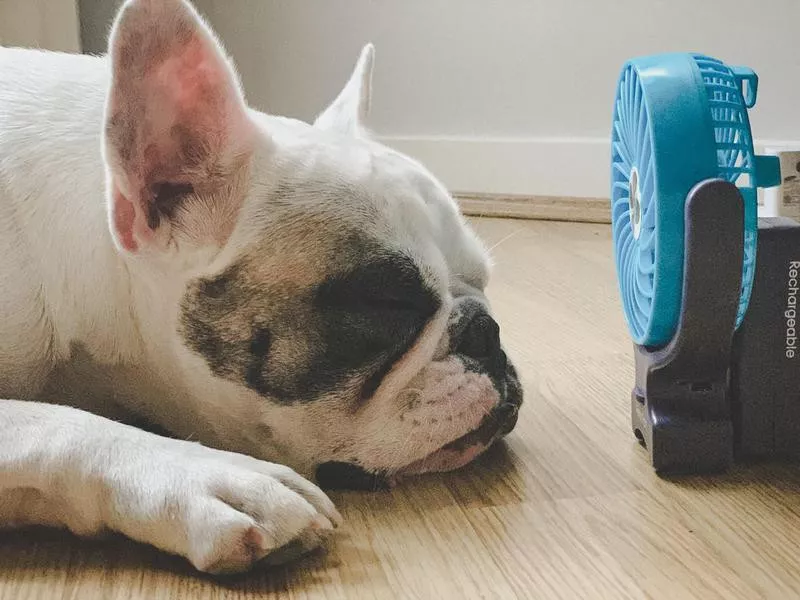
(375, 313)
(384, 300)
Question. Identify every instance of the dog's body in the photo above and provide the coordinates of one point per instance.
(293, 293)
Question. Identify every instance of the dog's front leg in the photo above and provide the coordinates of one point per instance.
(64, 467)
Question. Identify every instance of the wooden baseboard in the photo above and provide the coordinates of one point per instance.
(546, 208)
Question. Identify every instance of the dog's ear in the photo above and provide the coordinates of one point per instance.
(177, 135)
(348, 113)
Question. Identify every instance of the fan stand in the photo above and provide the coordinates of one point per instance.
(681, 405)
(714, 394)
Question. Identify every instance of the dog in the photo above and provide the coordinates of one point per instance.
(205, 308)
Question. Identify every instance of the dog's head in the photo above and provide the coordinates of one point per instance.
(327, 298)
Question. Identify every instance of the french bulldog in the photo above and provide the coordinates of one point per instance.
(205, 307)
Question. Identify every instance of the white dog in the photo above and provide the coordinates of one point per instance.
(274, 290)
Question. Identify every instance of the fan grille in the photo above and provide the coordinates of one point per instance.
(735, 153)
(634, 220)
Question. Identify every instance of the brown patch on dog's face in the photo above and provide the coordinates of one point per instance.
(325, 317)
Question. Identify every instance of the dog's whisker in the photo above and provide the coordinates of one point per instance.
(504, 240)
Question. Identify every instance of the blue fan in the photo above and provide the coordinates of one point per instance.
(679, 119)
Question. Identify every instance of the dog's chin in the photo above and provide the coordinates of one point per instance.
(443, 460)
(468, 447)
(454, 455)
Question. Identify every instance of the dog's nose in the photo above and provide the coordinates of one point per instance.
(480, 341)
(481, 338)
(475, 337)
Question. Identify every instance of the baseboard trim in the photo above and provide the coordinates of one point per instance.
(542, 208)
(532, 167)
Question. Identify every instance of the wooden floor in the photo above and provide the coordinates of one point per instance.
(567, 508)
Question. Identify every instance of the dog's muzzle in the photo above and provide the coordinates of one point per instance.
(475, 339)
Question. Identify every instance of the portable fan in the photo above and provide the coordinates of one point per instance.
(679, 119)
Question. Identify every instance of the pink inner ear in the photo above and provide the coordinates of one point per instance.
(123, 216)
(193, 111)
(129, 224)
(192, 77)
(175, 113)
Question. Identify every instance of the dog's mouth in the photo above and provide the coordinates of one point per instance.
(498, 423)
(454, 455)
(458, 453)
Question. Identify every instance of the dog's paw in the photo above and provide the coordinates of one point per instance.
(244, 515)
(222, 511)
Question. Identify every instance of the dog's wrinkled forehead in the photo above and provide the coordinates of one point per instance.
(309, 312)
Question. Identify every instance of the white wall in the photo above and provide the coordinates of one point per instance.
(506, 96)
(46, 24)
(96, 18)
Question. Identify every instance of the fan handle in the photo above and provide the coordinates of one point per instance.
(680, 406)
(747, 81)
